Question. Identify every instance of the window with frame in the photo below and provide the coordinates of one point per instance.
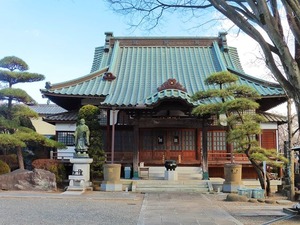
(216, 140)
(102, 118)
(66, 137)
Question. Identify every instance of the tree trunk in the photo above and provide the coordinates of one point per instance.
(268, 186)
(261, 179)
(20, 158)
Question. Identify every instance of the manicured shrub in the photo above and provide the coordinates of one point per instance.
(11, 160)
(4, 167)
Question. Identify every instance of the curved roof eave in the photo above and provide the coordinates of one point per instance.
(254, 79)
(76, 81)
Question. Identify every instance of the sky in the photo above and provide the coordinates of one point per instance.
(57, 38)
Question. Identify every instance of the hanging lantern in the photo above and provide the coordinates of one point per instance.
(223, 119)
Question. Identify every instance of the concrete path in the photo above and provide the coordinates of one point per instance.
(92, 208)
(123, 208)
(182, 208)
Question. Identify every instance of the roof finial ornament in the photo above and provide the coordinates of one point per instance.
(171, 84)
(48, 85)
(108, 35)
(223, 41)
(109, 76)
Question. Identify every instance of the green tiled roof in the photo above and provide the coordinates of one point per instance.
(141, 65)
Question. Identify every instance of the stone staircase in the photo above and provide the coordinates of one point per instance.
(145, 186)
(189, 180)
(184, 173)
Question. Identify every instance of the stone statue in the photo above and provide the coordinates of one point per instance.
(82, 138)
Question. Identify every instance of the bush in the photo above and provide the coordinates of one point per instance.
(52, 165)
(4, 167)
(11, 160)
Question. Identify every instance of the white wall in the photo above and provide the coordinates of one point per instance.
(269, 126)
(65, 126)
(43, 127)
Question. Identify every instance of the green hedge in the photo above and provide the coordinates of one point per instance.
(4, 167)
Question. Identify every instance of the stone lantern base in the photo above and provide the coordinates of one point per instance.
(80, 178)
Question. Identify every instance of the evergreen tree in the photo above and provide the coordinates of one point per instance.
(16, 129)
(239, 105)
(90, 114)
(14, 72)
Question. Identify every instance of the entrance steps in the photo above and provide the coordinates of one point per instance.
(146, 186)
(184, 173)
(189, 180)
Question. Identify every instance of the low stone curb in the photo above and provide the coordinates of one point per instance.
(240, 198)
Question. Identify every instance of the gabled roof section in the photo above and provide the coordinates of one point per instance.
(47, 109)
(70, 117)
(274, 118)
(140, 65)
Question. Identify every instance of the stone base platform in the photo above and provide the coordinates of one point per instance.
(111, 186)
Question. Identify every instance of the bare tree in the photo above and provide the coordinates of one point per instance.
(283, 133)
(261, 20)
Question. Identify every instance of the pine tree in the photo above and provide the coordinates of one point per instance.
(239, 105)
(16, 129)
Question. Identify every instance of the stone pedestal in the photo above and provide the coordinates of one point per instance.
(80, 178)
(112, 175)
(233, 178)
(171, 175)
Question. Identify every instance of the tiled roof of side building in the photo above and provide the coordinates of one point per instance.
(70, 116)
(272, 117)
(47, 109)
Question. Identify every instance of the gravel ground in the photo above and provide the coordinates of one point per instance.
(46, 211)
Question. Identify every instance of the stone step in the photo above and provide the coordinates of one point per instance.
(171, 186)
(184, 173)
(184, 169)
(78, 188)
(175, 189)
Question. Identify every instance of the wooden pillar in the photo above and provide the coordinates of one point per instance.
(204, 151)
(136, 151)
(108, 135)
(198, 144)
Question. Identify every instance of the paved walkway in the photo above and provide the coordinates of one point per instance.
(182, 208)
(20, 207)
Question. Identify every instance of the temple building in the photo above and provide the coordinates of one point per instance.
(143, 86)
